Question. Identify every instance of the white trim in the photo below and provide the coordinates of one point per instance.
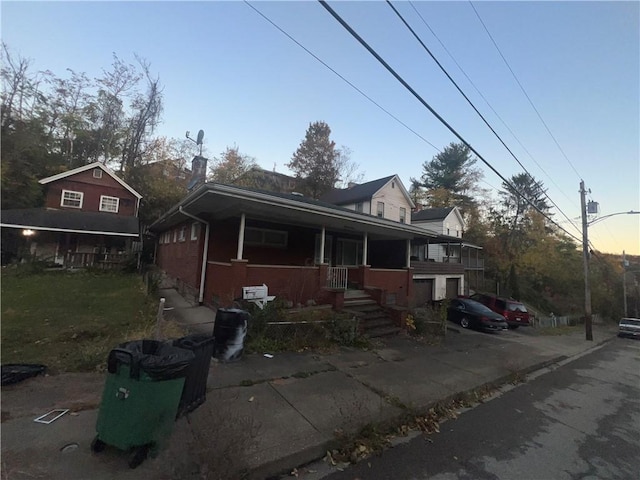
(69, 230)
(396, 179)
(109, 197)
(267, 199)
(71, 191)
(182, 234)
(84, 168)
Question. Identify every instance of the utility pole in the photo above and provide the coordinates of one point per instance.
(585, 256)
(624, 281)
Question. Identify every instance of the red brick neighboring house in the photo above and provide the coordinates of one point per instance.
(90, 216)
(221, 238)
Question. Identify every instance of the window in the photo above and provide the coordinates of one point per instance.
(265, 238)
(175, 236)
(380, 209)
(403, 215)
(359, 207)
(348, 252)
(328, 249)
(195, 230)
(109, 204)
(448, 231)
(183, 233)
(97, 173)
(71, 199)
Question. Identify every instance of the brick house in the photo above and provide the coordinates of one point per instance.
(90, 216)
(221, 238)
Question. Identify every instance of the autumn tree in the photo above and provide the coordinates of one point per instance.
(230, 165)
(315, 162)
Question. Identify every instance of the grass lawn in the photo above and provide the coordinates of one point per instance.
(70, 321)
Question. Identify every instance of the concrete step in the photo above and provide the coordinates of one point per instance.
(377, 323)
(360, 301)
(348, 294)
(382, 332)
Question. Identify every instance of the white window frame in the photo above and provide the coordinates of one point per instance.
(175, 235)
(195, 230)
(403, 215)
(107, 197)
(97, 173)
(182, 234)
(263, 241)
(359, 207)
(62, 199)
(380, 209)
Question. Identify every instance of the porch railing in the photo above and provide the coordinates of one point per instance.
(102, 260)
(337, 277)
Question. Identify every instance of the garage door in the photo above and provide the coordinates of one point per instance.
(423, 291)
(452, 287)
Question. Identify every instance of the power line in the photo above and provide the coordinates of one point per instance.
(524, 91)
(433, 112)
(489, 104)
(474, 107)
(343, 78)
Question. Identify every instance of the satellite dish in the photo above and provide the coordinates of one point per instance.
(200, 137)
(187, 133)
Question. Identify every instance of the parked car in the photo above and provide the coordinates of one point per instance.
(513, 311)
(469, 313)
(629, 327)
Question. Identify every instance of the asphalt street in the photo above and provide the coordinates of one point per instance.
(578, 421)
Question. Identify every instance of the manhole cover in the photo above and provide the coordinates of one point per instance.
(69, 448)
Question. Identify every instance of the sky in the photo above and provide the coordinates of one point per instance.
(228, 71)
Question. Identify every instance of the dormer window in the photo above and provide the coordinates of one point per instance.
(97, 173)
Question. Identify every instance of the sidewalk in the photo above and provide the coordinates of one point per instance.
(269, 415)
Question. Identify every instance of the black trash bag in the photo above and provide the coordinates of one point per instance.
(17, 372)
(159, 360)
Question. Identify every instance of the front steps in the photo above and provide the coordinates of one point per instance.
(374, 320)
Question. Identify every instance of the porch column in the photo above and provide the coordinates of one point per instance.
(241, 237)
(460, 256)
(322, 237)
(365, 248)
(408, 253)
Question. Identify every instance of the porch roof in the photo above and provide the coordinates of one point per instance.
(93, 223)
(213, 201)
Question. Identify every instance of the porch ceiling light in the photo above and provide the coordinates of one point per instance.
(27, 232)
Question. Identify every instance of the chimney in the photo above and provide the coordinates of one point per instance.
(351, 185)
(198, 172)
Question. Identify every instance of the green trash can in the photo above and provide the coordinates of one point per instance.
(141, 397)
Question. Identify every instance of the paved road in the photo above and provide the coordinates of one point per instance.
(579, 421)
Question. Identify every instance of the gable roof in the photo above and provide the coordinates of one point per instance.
(96, 223)
(362, 191)
(431, 214)
(84, 168)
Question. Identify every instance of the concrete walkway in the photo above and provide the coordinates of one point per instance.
(269, 415)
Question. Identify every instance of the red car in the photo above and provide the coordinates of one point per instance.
(514, 312)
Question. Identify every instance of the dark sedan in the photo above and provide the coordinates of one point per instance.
(469, 313)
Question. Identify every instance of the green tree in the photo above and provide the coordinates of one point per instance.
(450, 179)
(315, 162)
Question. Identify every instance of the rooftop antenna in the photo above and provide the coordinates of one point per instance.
(198, 140)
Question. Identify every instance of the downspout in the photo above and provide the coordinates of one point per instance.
(205, 252)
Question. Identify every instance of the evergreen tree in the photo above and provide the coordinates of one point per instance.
(450, 178)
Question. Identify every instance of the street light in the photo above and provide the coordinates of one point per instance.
(588, 328)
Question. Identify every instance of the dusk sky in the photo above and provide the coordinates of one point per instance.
(228, 71)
